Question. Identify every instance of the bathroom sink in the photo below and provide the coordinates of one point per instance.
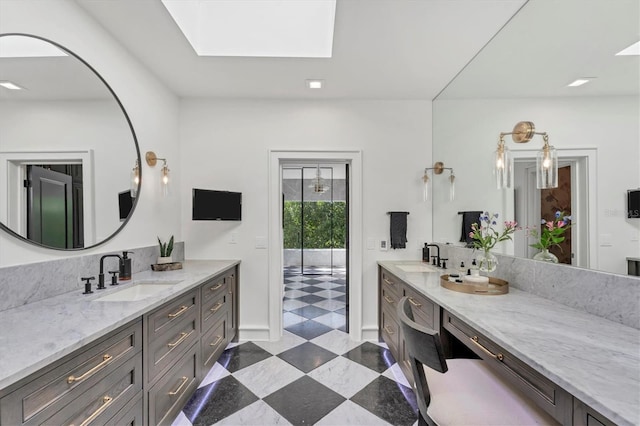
(138, 291)
(417, 268)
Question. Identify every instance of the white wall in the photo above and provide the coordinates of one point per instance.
(466, 134)
(225, 145)
(152, 109)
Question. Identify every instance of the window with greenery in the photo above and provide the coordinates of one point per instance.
(324, 224)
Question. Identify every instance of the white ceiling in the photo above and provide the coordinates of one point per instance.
(382, 49)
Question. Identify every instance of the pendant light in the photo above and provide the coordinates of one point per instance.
(317, 183)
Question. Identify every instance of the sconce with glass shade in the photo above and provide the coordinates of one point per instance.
(546, 159)
(438, 168)
(135, 180)
(165, 179)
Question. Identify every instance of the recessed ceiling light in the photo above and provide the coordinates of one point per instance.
(27, 47)
(580, 82)
(9, 85)
(634, 49)
(256, 28)
(315, 84)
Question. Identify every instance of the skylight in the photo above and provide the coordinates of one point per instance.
(27, 47)
(634, 49)
(256, 28)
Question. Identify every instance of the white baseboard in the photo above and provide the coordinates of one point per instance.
(258, 334)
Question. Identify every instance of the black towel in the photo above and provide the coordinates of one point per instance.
(398, 230)
(468, 218)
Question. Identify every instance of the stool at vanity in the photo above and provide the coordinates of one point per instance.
(460, 391)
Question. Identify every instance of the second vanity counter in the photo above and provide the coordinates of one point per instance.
(35, 335)
(594, 359)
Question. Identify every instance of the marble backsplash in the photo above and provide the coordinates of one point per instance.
(23, 284)
(611, 296)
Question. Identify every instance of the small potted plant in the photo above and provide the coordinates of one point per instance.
(165, 251)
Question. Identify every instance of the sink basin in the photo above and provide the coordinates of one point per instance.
(417, 268)
(138, 291)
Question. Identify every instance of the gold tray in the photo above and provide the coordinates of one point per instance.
(495, 286)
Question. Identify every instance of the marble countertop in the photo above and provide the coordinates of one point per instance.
(594, 359)
(35, 335)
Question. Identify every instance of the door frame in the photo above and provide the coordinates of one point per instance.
(278, 158)
(584, 170)
(13, 165)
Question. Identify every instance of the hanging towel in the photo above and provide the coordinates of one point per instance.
(468, 218)
(398, 230)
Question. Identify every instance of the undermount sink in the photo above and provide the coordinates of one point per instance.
(138, 291)
(417, 268)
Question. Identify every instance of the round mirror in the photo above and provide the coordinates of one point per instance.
(68, 150)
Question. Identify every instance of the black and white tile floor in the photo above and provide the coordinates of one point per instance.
(313, 375)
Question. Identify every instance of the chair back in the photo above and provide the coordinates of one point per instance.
(425, 348)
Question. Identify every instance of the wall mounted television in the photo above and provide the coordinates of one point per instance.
(125, 204)
(216, 205)
(633, 203)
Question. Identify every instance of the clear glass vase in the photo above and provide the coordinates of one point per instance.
(487, 261)
(546, 256)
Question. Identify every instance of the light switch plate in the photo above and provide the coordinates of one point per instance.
(384, 245)
(261, 242)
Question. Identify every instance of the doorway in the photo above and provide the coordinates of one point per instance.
(315, 247)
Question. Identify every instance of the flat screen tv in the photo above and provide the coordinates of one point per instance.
(633, 203)
(216, 205)
(125, 204)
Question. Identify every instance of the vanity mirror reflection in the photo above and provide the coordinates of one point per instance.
(67, 148)
(523, 74)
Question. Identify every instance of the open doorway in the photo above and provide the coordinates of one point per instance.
(315, 246)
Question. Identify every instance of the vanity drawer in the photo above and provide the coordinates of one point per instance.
(390, 283)
(214, 288)
(68, 381)
(165, 348)
(389, 300)
(103, 400)
(390, 330)
(425, 312)
(213, 308)
(553, 399)
(130, 415)
(171, 392)
(166, 316)
(214, 341)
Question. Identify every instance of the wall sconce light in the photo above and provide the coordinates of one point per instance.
(438, 168)
(546, 159)
(152, 160)
(135, 180)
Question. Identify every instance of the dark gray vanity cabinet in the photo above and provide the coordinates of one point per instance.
(92, 385)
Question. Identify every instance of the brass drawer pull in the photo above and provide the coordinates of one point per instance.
(177, 391)
(218, 306)
(388, 330)
(388, 299)
(105, 360)
(499, 356)
(414, 303)
(183, 336)
(106, 401)
(215, 287)
(181, 311)
(218, 340)
(388, 282)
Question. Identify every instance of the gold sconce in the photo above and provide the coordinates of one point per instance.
(152, 160)
(135, 180)
(546, 159)
(438, 168)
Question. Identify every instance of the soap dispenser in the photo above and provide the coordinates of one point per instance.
(425, 253)
(125, 266)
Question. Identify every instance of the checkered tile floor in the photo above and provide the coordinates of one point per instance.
(313, 375)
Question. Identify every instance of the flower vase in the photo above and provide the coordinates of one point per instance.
(487, 261)
(546, 256)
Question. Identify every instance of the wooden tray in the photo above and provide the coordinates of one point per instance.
(495, 287)
(166, 266)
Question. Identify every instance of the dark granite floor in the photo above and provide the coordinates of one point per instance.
(314, 376)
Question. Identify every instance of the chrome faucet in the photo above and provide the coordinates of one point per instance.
(101, 274)
(436, 258)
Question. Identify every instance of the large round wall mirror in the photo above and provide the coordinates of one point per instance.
(68, 151)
